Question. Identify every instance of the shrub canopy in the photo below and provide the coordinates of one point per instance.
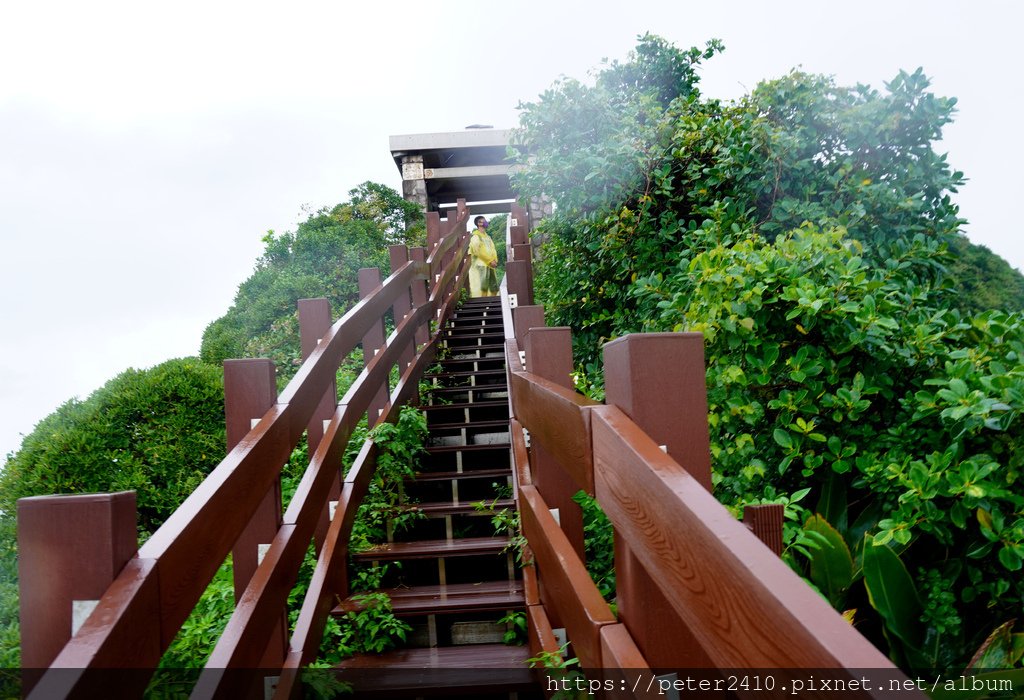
(807, 231)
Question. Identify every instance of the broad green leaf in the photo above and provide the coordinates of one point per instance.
(832, 501)
(831, 563)
(783, 438)
(1009, 558)
(999, 650)
(892, 593)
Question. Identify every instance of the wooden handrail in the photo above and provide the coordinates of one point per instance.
(567, 585)
(144, 607)
(745, 606)
(559, 419)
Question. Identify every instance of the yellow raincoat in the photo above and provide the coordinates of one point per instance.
(482, 280)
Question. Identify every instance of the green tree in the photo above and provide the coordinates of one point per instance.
(807, 230)
(321, 258)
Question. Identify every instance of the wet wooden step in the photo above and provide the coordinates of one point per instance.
(441, 508)
(464, 374)
(470, 352)
(463, 405)
(470, 330)
(478, 670)
(491, 333)
(473, 394)
(482, 447)
(489, 656)
(433, 549)
(473, 474)
(450, 598)
(473, 427)
(474, 364)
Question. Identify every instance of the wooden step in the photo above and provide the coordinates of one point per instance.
(498, 425)
(473, 656)
(486, 325)
(433, 549)
(492, 333)
(433, 449)
(474, 364)
(478, 670)
(485, 596)
(473, 474)
(470, 352)
(462, 405)
(445, 392)
(464, 374)
(438, 509)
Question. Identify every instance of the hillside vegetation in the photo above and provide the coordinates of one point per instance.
(809, 231)
(160, 431)
(864, 359)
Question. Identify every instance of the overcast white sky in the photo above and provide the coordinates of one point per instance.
(145, 148)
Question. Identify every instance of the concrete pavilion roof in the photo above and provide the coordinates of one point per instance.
(469, 164)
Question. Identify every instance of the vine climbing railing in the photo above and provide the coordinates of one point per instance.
(237, 508)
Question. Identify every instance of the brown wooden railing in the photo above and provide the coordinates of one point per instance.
(696, 589)
(144, 607)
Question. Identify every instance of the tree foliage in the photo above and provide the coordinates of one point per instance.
(807, 230)
(321, 258)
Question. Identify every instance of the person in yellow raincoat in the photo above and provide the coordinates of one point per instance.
(483, 278)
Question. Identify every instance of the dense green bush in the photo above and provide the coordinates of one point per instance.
(157, 431)
(807, 230)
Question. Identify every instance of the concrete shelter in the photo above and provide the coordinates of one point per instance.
(440, 168)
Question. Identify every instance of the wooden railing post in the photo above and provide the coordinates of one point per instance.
(419, 296)
(765, 521)
(524, 318)
(314, 322)
(70, 549)
(519, 266)
(433, 230)
(455, 226)
(520, 275)
(373, 341)
(549, 355)
(250, 389)
(658, 380)
(403, 305)
(519, 225)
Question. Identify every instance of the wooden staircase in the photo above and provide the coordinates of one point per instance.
(457, 578)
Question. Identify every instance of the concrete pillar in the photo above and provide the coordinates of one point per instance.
(414, 187)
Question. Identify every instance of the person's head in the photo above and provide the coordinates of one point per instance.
(480, 222)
